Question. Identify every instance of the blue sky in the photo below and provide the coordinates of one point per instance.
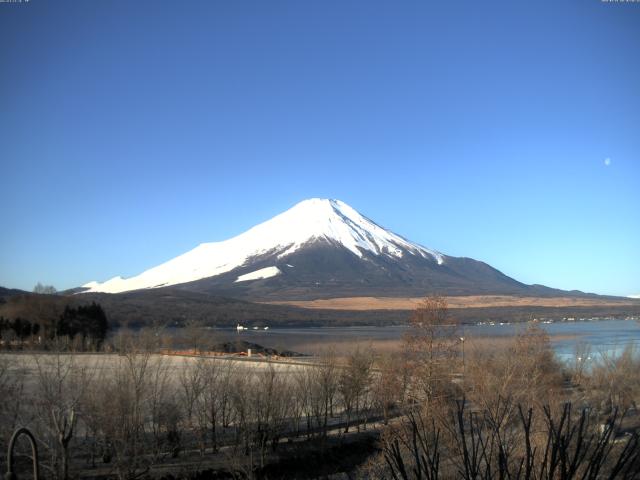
(130, 132)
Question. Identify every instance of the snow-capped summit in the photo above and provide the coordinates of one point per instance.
(311, 221)
(335, 221)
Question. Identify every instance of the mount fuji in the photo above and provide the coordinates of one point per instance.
(320, 248)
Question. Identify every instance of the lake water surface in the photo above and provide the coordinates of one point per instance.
(602, 336)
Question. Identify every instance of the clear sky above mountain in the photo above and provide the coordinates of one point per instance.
(506, 131)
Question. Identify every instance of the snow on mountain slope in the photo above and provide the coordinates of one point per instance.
(258, 274)
(309, 220)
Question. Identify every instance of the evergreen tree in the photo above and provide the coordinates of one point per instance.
(89, 321)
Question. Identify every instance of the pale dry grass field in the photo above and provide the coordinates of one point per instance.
(472, 301)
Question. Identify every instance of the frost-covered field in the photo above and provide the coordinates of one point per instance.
(27, 365)
(28, 361)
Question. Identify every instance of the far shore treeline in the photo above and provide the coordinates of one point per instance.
(44, 308)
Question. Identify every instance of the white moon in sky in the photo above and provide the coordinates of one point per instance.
(607, 161)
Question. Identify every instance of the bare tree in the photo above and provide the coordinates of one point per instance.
(192, 335)
(93, 415)
(581, 360)
(44, 289)
(227, 377)
(614, 381)
(123, 411)
(390, 384)
(191, 387)
(524, 371)
(208, 401)
(354, 383)
(567, 446)
(432, 342)
(161, 405)
(323, 387)
(12, 383)
(302, 401)
(60, 388)
(241, 403)
(270, 399)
